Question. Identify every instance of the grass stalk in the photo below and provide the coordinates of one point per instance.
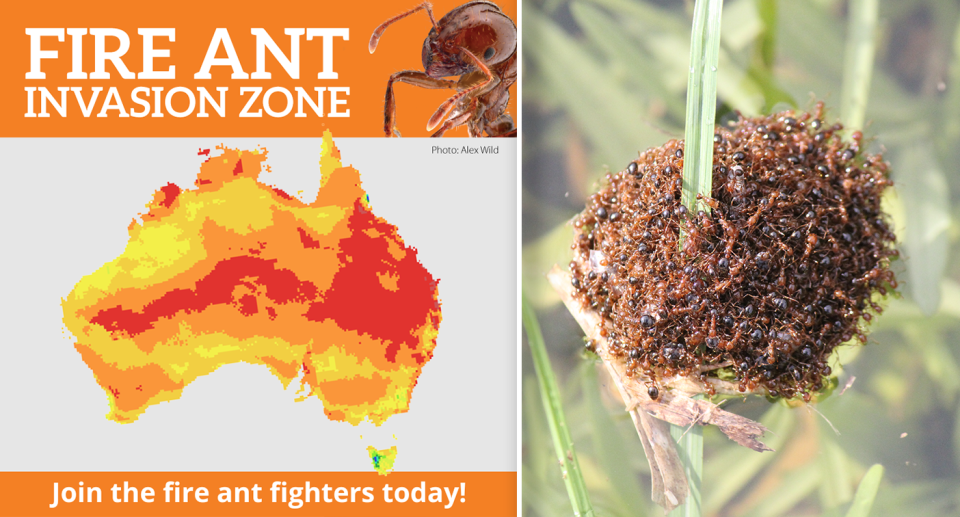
(698, 179)
(866, 492)
(701, 103)
(858, 63)
(550, 395)
(690, 448)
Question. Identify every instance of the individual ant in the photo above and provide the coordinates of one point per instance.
(475, 41)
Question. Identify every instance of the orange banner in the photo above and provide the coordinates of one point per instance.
(112, 69)
(186, 494)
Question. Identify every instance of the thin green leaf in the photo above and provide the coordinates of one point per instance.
(690, 447)
(698, 179)
(550, 395)
(764, 57)
(858, 62)
(866, 492)
(767, 46)
(776, 98)
(701, 102)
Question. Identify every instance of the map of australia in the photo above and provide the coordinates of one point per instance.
(235, 270)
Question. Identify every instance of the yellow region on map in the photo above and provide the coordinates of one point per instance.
(382, 459)
(235, 270)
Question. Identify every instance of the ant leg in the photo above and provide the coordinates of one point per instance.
(502, 126)
(450, 103)
(415, 78)
(475, 126)
(456, 121)
(378, 32)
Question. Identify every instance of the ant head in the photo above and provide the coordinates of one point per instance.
(479, 27)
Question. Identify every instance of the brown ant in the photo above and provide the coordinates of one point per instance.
(475, 41)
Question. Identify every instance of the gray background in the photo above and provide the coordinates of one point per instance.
(66, 205)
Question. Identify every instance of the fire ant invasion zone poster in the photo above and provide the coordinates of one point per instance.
(261, 259)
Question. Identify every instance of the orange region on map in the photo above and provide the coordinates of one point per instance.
(236, 270)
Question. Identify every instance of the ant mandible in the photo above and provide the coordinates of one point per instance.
(476, 41)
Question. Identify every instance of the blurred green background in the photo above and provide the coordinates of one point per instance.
(605, 79)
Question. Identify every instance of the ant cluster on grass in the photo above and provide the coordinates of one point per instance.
(773, 272)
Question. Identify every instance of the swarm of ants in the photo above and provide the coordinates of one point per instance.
(777, 269)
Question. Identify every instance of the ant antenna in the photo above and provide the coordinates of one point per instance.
(375, 37)
(825, 419)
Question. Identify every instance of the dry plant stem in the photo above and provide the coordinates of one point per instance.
(669, 486)
(674, 405)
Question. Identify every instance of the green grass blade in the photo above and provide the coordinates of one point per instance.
(550, 395)
(698, 179)
(690, 448)
(767, 46)
(858, 62)
(764, 58)
(866, 492)
(701, 102)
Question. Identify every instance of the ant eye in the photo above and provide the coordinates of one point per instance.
(488, 54)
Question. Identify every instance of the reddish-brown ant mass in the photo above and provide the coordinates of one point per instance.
(770, 280)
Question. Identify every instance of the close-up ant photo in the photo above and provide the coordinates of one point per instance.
(475, 41)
